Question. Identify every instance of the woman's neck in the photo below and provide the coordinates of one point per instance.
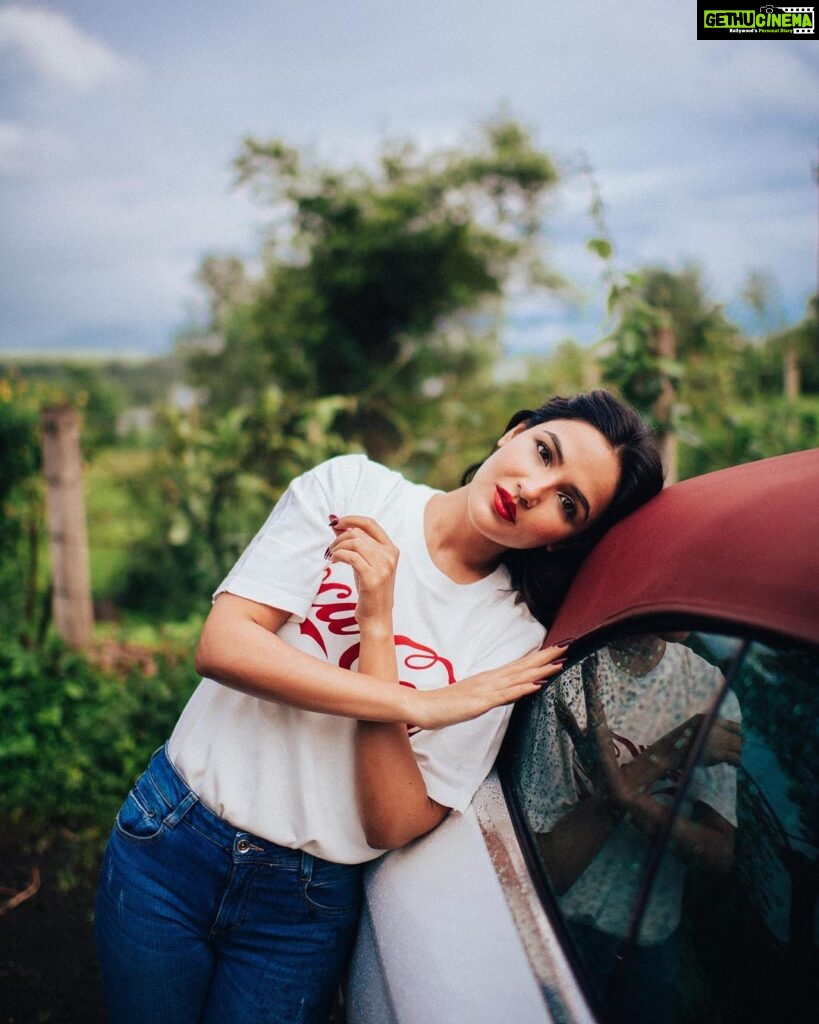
(637, 655)
(455, 547)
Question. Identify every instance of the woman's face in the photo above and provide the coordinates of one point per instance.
(543, 485)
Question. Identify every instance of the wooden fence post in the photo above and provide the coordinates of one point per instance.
(667, 441)
(65, 505)
(791, 376)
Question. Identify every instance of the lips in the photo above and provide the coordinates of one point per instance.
(505, 505)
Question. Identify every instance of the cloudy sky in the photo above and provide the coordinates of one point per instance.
(119, 122)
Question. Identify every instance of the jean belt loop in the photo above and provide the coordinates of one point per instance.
(306, 867)
(179, 812)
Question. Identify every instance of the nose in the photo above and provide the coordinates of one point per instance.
(530, 493)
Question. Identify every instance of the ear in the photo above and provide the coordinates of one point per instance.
(512, 433)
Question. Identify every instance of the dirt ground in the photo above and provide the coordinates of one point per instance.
(48, 970)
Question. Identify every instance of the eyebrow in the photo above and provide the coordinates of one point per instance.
(581, 497)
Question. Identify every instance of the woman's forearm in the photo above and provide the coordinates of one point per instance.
(574, 842)
(706, 843)
(392, 796)
(623, 790)
(239, 648)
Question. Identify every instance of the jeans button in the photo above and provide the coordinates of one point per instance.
(243, 846)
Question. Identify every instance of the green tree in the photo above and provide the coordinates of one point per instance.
(22, 525)
(385, 286)
(208, 488)
(777, 404)
(800, 342)
(676, 357)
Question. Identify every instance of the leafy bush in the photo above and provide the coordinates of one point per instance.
(209, 487)
(21, 506)
(78, 729)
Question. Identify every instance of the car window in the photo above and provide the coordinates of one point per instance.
(748, 937)
(668, 792)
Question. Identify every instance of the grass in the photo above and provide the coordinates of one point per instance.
(136, 629)
(114, 521)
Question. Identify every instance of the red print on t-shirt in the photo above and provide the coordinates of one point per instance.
(334, 612)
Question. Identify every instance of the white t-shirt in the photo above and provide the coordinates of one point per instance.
(288, 775)
(639, 710)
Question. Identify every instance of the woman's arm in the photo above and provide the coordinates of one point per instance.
(705, 841)
(239, 648)
(620, 790)
(392, 796)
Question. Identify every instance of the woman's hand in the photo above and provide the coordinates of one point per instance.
(476, 694)
(723, 744)
(624, 784)
(594, 745)
(362, 544)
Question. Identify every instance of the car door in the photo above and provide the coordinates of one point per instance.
(665, 791)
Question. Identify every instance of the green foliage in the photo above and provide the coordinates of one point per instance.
(75, 734)
(19, 437)
(704, 343)
(210, 485)
(733, 391)
(116, 520)
(745, 432)
(369, 275)
(372, 325)
(630, 360)
(100, 388)
(21, 508)
(602, 247)
(720, 394)
(766, 359)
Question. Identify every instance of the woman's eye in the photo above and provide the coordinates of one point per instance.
(544, 452)
(569, 507)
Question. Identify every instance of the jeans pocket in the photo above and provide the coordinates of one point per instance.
(334, 888)
(141, 818)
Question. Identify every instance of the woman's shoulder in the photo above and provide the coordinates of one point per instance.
(358, 478)
(355, 466)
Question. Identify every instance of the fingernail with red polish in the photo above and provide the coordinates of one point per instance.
(333, 519)
(327, 553)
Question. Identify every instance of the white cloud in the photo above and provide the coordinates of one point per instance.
(700, 150)
(26, 150)
(10, 143)
(59, 51)
(747, 80)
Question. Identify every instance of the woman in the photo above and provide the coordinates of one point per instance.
(231, 883)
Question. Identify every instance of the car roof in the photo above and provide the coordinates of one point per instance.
(739, 546)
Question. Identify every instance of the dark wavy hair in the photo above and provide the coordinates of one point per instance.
(542, 577)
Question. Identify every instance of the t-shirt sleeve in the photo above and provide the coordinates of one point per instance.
(283, 564)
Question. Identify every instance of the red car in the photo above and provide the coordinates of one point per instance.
(647, 848)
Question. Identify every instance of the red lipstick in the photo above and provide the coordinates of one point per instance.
(505, 505)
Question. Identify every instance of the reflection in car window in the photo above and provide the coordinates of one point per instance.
(597, 769)
(749, 941)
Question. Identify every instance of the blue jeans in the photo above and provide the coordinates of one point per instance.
(197, 921)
